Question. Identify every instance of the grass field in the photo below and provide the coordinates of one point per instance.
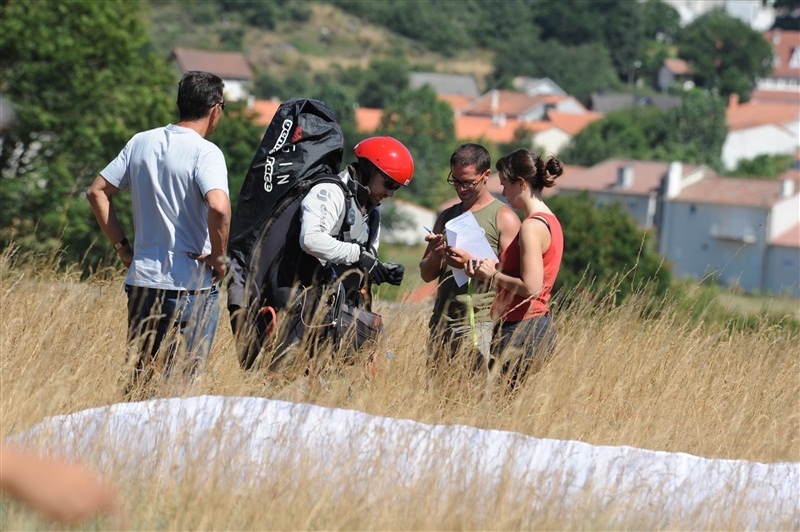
(665, 382)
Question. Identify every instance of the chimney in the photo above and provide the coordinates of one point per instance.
(674, 178)
(625, 176)
(733, 101)
(251, 101)
(495, 100)
(499, 120)
(787, 187)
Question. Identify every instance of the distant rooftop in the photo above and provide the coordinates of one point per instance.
(227, 65)
(451, 84)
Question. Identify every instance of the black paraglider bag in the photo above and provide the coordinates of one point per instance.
(302, 145)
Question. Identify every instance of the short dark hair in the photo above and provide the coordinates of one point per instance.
(470, 154)
(198, 92)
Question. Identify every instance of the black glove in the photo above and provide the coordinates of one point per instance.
(395, 273)
(378, 273)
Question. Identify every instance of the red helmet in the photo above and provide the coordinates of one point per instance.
(389, 155)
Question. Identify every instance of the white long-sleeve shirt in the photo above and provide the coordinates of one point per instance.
(323, 212)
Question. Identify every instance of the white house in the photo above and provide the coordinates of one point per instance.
(742, 231)
(746, 232)
(760, 128)
(637, 186)
(783, 82)
(537, 86)
(404, 223)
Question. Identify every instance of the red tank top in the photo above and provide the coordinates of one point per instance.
(510, 307)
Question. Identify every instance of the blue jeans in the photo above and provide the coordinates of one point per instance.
(518, 345)
(155, 313)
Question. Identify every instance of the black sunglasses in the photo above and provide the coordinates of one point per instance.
(221, 105)
(390, 184)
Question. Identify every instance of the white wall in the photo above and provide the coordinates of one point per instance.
(700, 238)
(782, 270)
(785, 215)
(235, 90)
(762, 140)
(415, 216)
(551, 140)
(640, 208)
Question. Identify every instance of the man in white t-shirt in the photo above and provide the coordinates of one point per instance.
(179, 188)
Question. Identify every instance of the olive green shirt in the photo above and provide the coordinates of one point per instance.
(450, 307)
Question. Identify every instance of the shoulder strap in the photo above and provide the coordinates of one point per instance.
(545, 222)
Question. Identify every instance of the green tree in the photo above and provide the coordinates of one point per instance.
(78, 102)
(787, 15)
(343, 105)
(614, 25)
(382, 81)
(762, 166)
(693, 132)
(239, 139)
(604, 251)
(579, 70)
(629, 133)
(425, 125)
(660, 21)
(725, 53)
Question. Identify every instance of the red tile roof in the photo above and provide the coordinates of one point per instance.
(733, 191)
(602, 177)
(509, 103)
(483, 127)
(572, 123)
(679, 67)
(746, 115)
(368, 119)
(784, 44)
(227, 65)
(789, 239)
(456, 101)
(264, 111)
(771, 96)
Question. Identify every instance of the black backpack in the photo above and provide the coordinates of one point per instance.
(302, 146)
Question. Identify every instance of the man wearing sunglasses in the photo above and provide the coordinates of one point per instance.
(451, 332)
(179, 188)
(384, 165)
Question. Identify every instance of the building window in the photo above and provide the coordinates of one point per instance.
(692, 209)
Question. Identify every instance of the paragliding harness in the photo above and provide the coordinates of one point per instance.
(274, 285)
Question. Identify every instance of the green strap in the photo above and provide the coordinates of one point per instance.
(471, 311)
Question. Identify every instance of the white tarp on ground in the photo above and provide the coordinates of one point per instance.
(246, 438)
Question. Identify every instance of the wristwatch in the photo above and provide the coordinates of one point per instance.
(121, 244)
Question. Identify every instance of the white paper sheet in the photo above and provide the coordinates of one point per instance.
(463, 232)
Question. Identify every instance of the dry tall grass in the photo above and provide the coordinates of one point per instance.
(617, 378)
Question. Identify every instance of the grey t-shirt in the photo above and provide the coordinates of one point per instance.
(169, 170)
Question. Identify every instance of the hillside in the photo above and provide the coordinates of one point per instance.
(329, 40)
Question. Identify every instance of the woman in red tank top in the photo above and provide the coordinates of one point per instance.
(528, 266)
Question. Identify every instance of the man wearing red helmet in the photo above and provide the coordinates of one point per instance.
(384, 165)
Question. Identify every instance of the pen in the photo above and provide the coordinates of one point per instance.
(428, 230)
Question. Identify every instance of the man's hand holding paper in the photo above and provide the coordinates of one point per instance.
(467, 242)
